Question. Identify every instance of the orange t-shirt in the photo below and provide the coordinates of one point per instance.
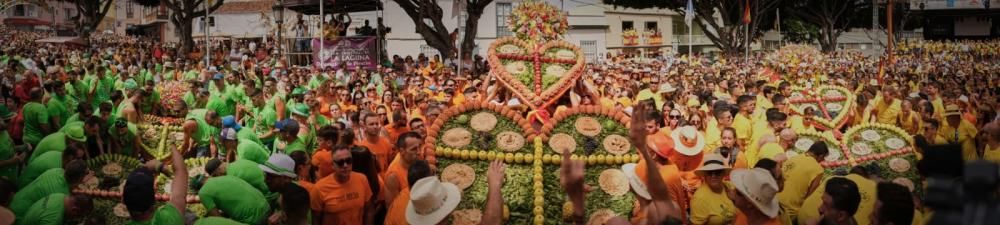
(382, 149)
(672, 177)
(323, 161)
(341, 204)
(397, 168)
(741, 219)
(396, 214)
(395, 132)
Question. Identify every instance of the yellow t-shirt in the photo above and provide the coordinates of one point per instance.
(938, 104)
(753, 150)
(867, 188)
(887, 113)
(799, 172)
(713, 138)
(964, 134)
(711, 208)
(768, 151)
(992, 154)
(742, 124)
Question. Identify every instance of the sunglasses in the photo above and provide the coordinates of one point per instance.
(715, 173)
(343, 162)
(675, 116)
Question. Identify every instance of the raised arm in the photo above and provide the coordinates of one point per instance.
(661, 208)
(493, 215)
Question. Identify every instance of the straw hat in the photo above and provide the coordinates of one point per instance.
(431, 201)
(666, 88)
(952, 110)
(688, 141)
(635, 181)
(759, 187)
(75, 133)
(712, 162)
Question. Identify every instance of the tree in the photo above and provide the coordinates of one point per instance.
(427, 15)
(727, 32)
(183, 12)
(89, 14)
(796, 31)
(833, 17)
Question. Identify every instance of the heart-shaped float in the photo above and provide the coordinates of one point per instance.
(830, 104)
(537, 73)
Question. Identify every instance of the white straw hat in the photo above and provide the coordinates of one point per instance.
(431, 201)
(635, 182)
(690, 134)
(758, 186)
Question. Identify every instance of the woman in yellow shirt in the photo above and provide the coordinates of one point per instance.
(712, 205)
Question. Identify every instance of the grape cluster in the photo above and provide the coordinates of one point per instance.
(485, 138)
(589, 145)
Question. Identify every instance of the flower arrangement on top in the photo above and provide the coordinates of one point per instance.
(630, 37)
(653, 37)
(796, 62)
(536, 20)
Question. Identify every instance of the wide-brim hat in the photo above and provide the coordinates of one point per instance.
(635, 181)
(952, 110)
(666, 88)
(688, 141)
(431, 201)
(758, 186)
(301, 109)
(279, 164)
(712, 162)
(75, 133)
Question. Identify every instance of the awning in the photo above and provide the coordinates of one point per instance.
(25, 21)
(311, 7)
(62, 40)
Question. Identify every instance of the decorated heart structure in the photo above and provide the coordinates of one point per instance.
(599, 136)
(538, 73)
(831, 104)
(467, 137)
(887, 146)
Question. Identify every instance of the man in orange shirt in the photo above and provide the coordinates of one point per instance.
(342, 198)
(397, 126)
(396, 214)
(375, 143)
(408, 146)
(322, 158)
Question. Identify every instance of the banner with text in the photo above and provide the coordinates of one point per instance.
(347, 51)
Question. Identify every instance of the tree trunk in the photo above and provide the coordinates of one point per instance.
(469, 40)
(187, 42)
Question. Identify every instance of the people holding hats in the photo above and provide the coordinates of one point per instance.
(955, 130)
(753, 193)
(802, 174)
(711, 200)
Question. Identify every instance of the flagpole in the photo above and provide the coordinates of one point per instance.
(322, 20)
(690, 40)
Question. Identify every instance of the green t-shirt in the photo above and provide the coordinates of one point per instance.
(147, 103)
(127, 141)
(190, 100)
(235, 198)
(248, 171)
(165, 215)
(35, 115)
(251, 151)
(248, 135)
(264, 118)
(39, 165)
(217, 221)
(299, 144)
(102, 89)
(50, 182)
(190, 75)
(220, 104)
(55, 142)
(169, 75)
(6, 152)
(57, 106)
(205, 132)
(48, 211)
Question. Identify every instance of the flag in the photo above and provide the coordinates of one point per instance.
(456, 7)
(746, 12)
(881, 70)
(689, 13)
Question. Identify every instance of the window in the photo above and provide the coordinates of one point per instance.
(651, 26)
(679, 27)
(69, 14)
(24, 10)
(589, 49)
(627, 25)
(503, 12)
(129, 12)
(201, 23)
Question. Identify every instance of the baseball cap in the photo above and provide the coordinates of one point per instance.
(279, 164)
(138, 193)
(288, 125)
(218, 76)
(230, 122)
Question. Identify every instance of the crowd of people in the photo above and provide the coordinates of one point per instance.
(304, 145)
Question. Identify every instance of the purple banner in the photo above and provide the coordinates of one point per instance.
(348, 51)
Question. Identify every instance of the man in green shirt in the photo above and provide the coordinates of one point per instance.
(247, 171)
(101, 87)
(235, 198)
(125, 140)
(39, 165)
(56, 180)
(58, 105)
(73, 136)
(199, 128)
(36, 118)
(151, 103)
(9, 158)
(54, 209)
(138, 195)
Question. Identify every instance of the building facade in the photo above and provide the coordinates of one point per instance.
(52, 15)
(959, 19)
